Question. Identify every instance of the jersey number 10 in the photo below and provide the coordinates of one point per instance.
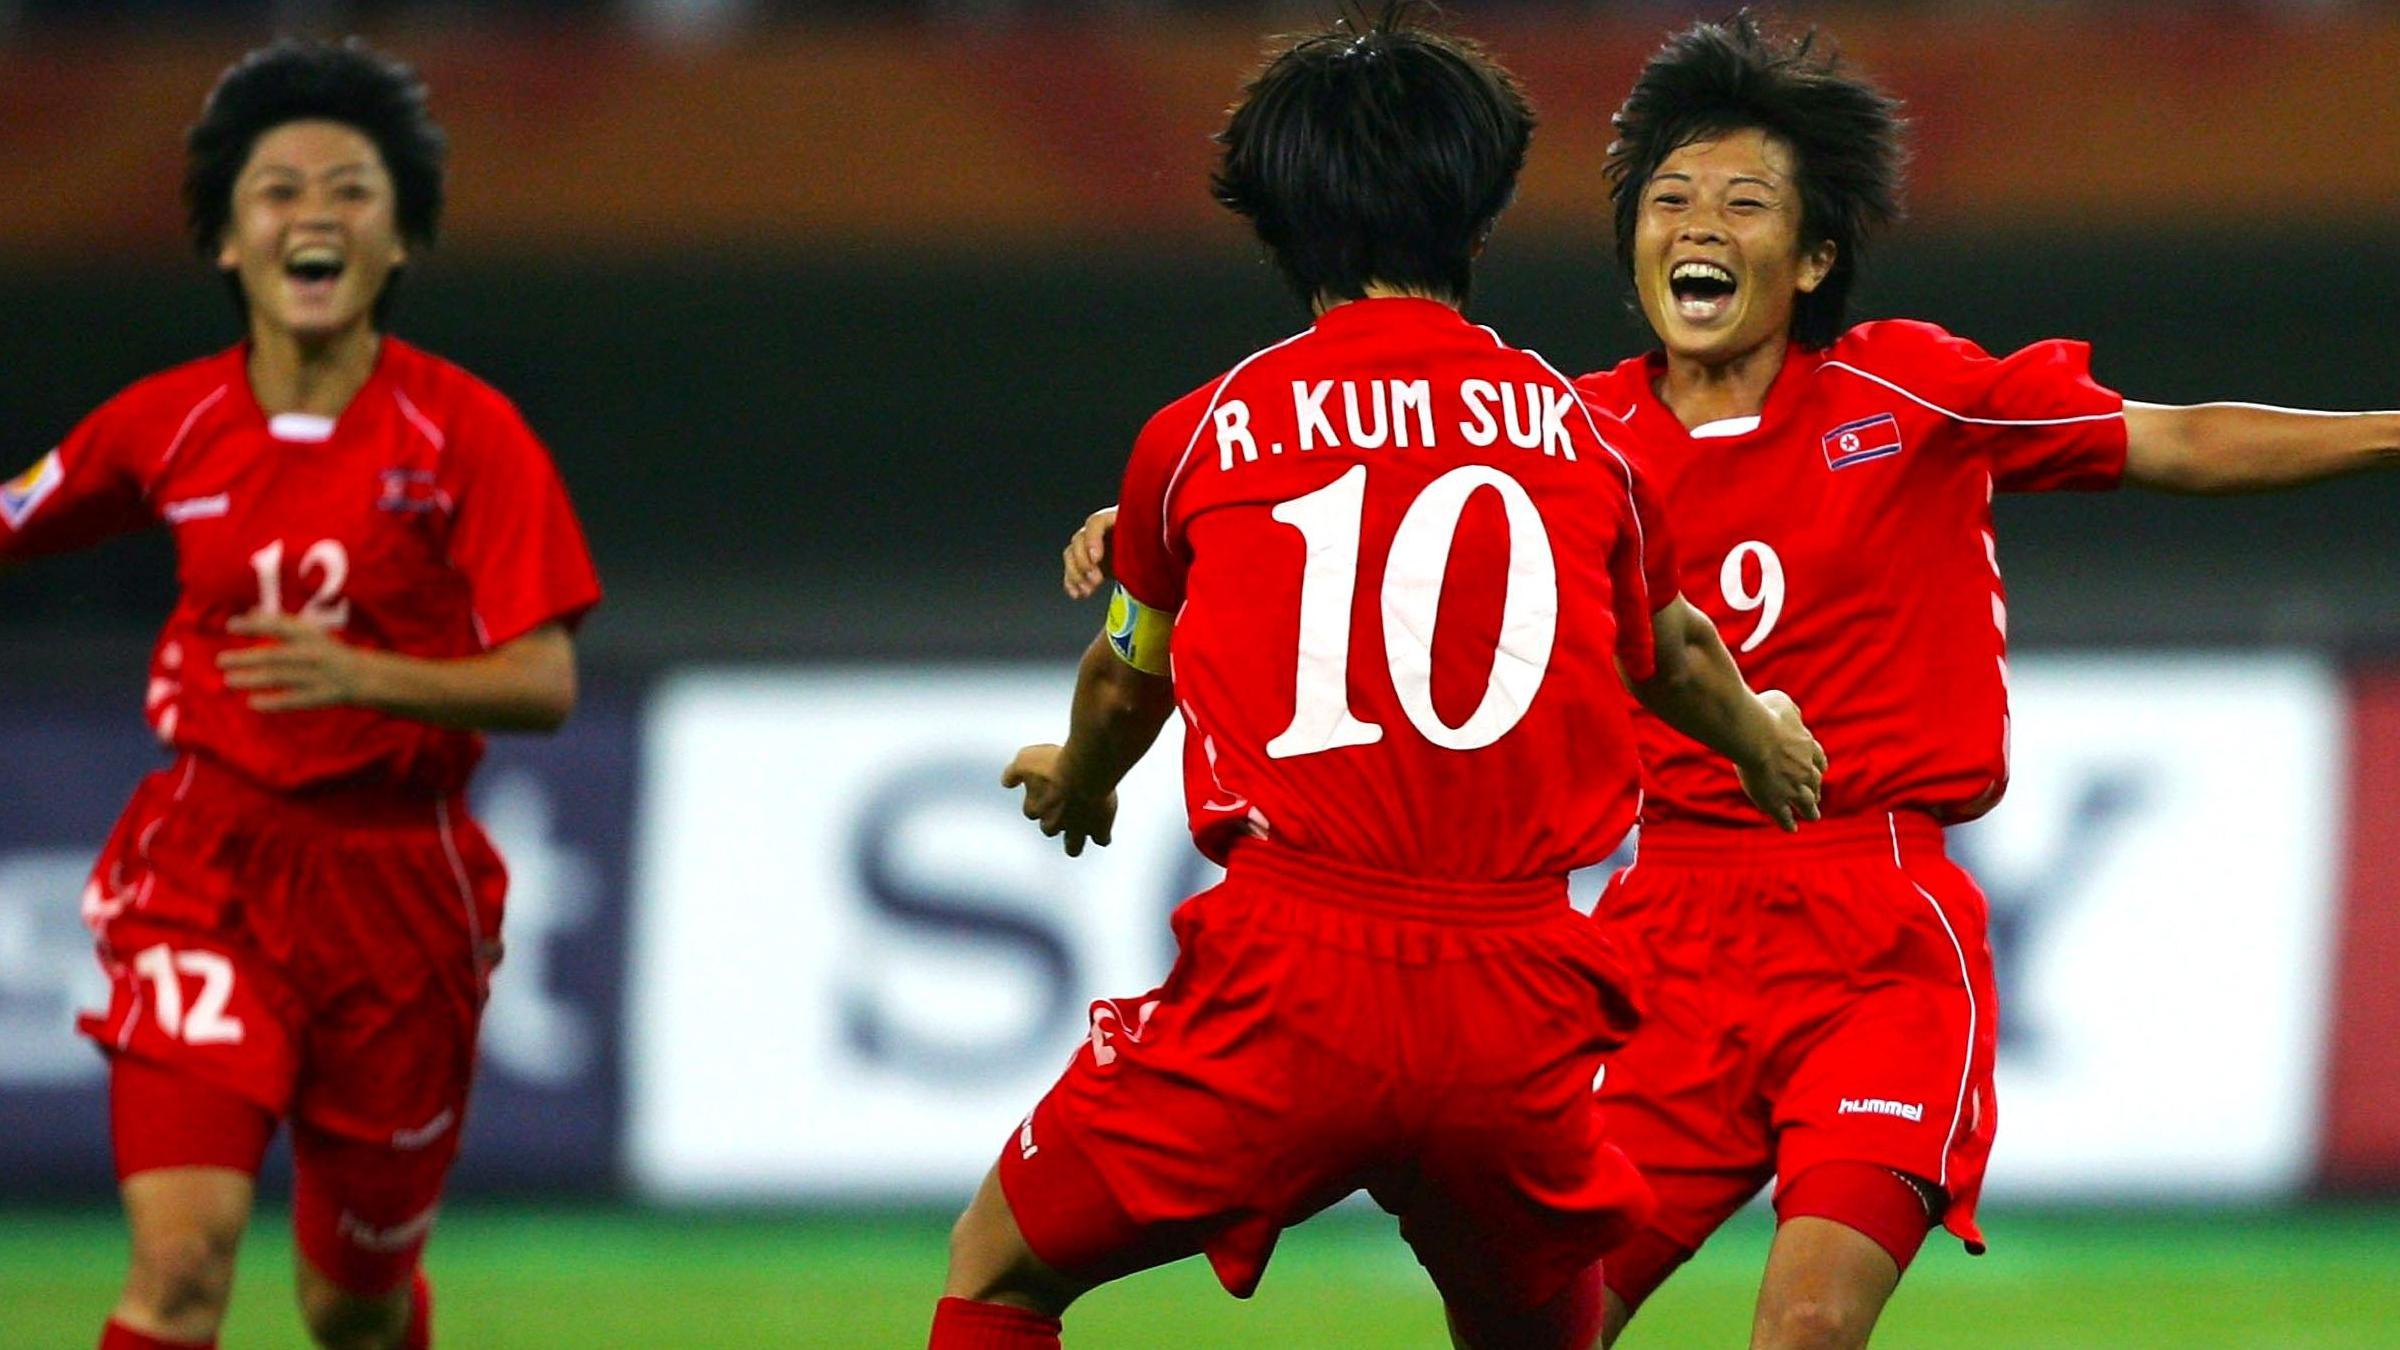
(1330, 520)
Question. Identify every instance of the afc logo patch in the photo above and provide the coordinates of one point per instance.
(411, 492)
(1868, 438)
(22, 495)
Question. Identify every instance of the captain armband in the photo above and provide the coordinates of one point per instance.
(1138, 634)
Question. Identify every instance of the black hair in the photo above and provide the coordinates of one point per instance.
(1379, 150)
(299, 81)
(1714, 78)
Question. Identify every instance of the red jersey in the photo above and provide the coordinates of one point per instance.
(426, 520)
(1405, 568)
(1842, 541)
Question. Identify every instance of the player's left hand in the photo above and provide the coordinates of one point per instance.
(299, 665)
(1051, 798)
(1787, 778)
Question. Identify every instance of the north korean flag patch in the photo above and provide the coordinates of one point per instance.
(1876, 437)
(25, 493)
(411, 492)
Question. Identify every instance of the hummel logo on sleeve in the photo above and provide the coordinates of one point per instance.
(196, 508)
(1878, 1106)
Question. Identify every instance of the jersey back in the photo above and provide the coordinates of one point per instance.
(425, 520)
(1406, 567)
(1842, 542)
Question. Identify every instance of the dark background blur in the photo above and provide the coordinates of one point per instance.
(839, 316)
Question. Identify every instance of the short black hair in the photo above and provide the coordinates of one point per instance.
(1378, 150)
(303, 81)
(1714, 78)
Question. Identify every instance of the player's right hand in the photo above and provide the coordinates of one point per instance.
(1087, 554)
(1787, 776)
(1051, 799)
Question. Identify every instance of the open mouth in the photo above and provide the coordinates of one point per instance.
(314, 271)
(1703, 291)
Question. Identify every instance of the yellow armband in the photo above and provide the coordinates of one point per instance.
(1138, 634)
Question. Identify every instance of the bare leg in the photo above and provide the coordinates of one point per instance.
(1615, 1317)
(990, 1262)
(187, 1224)
(1825, 1286)
(344, 1319)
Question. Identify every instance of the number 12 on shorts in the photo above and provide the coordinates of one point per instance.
(1330, 520)
(203, 1020)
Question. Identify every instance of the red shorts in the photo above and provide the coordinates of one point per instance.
(1325, 1030)
(323, 958)
(1813, 998)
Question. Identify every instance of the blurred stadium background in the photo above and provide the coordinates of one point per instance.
(839, 315)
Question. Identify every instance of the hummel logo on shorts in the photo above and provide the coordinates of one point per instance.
(1877, 1106)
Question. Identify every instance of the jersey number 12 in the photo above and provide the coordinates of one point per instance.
(327, 609)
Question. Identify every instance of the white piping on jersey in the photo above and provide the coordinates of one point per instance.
(1633, 506)
(458, 869)
(1962, 417)
(423, 423)
(1233, 801)
(133, 1009)
(175, 447)
(1174, 480)
(1966, 981)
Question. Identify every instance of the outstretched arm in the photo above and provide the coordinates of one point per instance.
(1072, 789)
(1698, 690)
(2221, 448)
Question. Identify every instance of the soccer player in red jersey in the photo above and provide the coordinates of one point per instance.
(377, 561)
(1820, 1007)
(1406, 579)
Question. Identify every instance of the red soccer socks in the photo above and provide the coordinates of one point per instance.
(963, 1324)
(1572, 1317)
(119, 1336)
(420, 1313)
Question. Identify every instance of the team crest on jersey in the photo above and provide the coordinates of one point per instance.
(22, 496)
(1868, 438)
(411, 492)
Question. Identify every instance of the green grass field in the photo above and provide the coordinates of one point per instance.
(522, 1279)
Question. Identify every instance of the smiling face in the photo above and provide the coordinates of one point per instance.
(313, 234)
(1718, 261)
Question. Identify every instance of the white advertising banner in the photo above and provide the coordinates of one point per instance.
(854, 965)
(2162, 878)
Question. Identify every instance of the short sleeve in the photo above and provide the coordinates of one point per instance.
(1144, 554)
(2044, 423)
(514, 534)
(77, 495)
(1642, 577)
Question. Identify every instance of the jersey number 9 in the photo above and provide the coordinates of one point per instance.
(1766, 601)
